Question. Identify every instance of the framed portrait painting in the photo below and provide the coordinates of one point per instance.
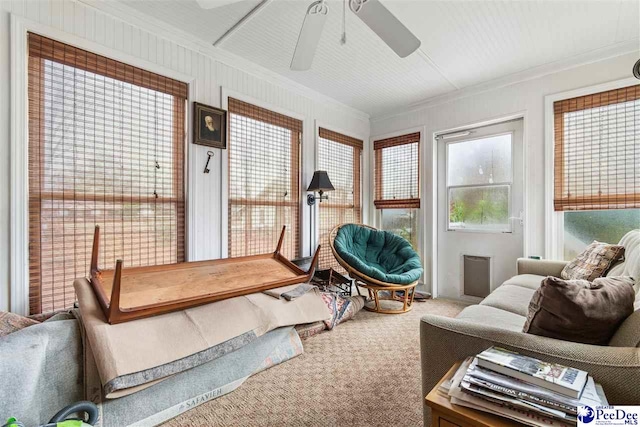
(209, 126)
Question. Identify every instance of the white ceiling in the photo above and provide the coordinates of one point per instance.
(464, 43)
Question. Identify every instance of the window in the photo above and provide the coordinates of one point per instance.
(403, 222)
(397, 184)
(596, 174)
(264, 180)
(583, 227)
(339, 155)
(479, 179)
(396, 172)
(106, 147)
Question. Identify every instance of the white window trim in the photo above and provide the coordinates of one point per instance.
(554, 228)
(19, 145)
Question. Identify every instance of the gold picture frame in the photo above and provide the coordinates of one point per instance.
(209, 126)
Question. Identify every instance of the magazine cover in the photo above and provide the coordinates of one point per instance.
(532, 393)
(530, 418)
(559, 378)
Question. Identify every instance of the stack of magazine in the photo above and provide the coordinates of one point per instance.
(522, 388)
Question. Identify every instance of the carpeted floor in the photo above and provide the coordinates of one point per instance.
(366, 372)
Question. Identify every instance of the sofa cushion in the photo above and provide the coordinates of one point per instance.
(593, 262)
(491, 316)
(531, 281)
(514, 299)
(579, 310)
(628, 334)
(631, 265)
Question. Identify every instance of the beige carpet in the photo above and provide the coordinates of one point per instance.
(366, 372)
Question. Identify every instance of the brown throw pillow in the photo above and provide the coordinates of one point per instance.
(580, 311)
(593, 262)
(11, 322)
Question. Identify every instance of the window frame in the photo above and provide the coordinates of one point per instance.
(225, 204)
(48, 58)
(495, 184)
(375, 214)
(554, 221)
(378, 177)
(316, 208)
(18, 300)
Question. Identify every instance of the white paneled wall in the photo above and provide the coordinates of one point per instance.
(462, 109)
(208, 73)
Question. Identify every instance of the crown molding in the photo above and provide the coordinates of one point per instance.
(586, 58)
(175, 35)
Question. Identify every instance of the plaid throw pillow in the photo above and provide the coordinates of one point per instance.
(593, 262)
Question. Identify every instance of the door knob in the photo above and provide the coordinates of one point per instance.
(519, 218)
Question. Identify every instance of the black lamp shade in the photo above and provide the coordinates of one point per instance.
(320, 182)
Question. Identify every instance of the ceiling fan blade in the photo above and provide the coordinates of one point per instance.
(309, 36)
(386, 26)
(212, 4)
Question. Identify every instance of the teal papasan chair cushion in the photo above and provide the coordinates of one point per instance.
(379, 254)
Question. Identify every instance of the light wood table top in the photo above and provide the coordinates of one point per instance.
(144, 286)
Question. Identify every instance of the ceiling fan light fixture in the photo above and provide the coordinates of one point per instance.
(309, 36)
(386, 26)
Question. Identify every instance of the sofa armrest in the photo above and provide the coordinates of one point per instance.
(444, 341)
(540, 267)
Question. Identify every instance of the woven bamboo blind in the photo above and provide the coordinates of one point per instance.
(339, 155)
(397, 177)
(106, 146)
(597, 151)
(264, 180)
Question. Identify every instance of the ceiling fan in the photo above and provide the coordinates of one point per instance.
(371, 12)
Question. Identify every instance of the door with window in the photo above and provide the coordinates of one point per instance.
(480, 208)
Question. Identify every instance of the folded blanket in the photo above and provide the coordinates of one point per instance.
(290, 292)
(131, 356)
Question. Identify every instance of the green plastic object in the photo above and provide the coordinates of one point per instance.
(380, 254)
(71, 423)
(12, 422)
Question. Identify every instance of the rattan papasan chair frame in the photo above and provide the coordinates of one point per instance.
(373, 285)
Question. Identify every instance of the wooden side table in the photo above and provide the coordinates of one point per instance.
(446, 414)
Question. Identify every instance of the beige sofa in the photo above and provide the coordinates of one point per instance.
(499, 318)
